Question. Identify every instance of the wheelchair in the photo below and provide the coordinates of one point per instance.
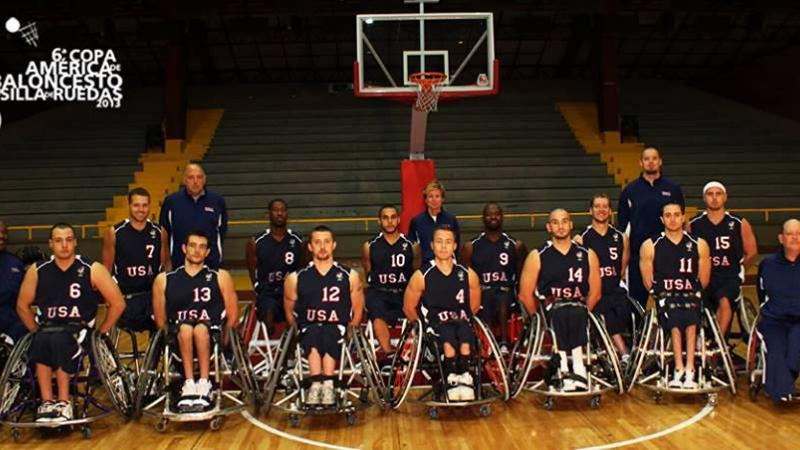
(756, 361)
(6, 346)
(260, 347)
(418, 361)
(99, 388)
(125, 336)
(532, 369)
(357, 375)
(159, 384)
(653, 360)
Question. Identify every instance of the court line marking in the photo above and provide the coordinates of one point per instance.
(677, 427)
(249, 417)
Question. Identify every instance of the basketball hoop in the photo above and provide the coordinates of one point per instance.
(429, 86)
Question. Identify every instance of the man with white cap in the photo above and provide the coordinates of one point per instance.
(733, 249)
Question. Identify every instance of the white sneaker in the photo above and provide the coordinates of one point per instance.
(625, 361)
(582, 377)
(188, 394)
(204, 393)
(46, 411)
(688, 382)
(63, 412)
(453, 388)
(328, 395)
(676, 382)
(568, 385)
(467, 387)
(314, 395)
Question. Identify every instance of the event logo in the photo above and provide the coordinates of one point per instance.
(82, 75)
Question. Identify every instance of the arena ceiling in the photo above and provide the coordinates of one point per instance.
(314, 40)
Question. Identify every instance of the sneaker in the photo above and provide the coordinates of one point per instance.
(625, 362)
(580, 377)
(204, 394)
(568, 385)
(453, 388)
(328, 395)
(504, 351)
(676, 382)
(46, 411)
(579, 382)
(688, 382)
(188, 394)
(63, 412)
(466, 387)
(314, 395)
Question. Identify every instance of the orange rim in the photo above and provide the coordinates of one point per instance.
(427, 79)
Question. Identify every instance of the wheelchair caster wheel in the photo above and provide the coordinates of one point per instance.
(594, 402)
(754, 393)
(294, 420)
(548, 403)
(658, 398)
(433, 413)
(712, 399)
(351, 419)
(363, 397)
(215, 424)
(161, 425)
(86, 431)
(15, 434)
(486, 410)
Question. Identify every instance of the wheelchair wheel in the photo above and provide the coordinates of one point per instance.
(521, 358)
(151, 380)
(747, 315)
(14, 382)
(243, 376)
(602, 342)
(271, 385)
(723, 348)
(113, 374)
(404, 364)
(492, 360)
(369, 367)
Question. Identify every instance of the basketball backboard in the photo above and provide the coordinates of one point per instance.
(391, 47)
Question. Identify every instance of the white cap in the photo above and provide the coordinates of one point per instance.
(714, 184)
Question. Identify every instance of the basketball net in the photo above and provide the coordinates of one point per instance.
(429, 86)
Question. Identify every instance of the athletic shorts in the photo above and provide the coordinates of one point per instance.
(491, 299)
(679, 318)
(616, 312)
(730, 288)
(569, 325)
(270, 301)
(58, 347)
(454, 332)
(138, 314)
(327, 338)
(384, 305)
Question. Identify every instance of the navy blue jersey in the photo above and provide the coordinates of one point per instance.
(323, 298)
(609, 249)
(675, 265)
(276, 259)
(12, 271)
(495, 262)
(194, 298)
(724, 242)
(391, 266)
(446, 297)
(64, 296)
(563, 276)
(137, 256)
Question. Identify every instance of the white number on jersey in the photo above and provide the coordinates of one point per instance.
(613, 253)
(460, 295)
(576, 276)
(686, 265)
(330, 293)
(288, 258)
(722, 242)
(503, 259)
(74, 290)
(398, 260)
(150, 248)
(202, 294)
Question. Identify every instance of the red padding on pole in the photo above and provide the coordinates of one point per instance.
(414, 175)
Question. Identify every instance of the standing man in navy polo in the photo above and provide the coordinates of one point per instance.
(422, 226)
(195, 208)
(639, 211)
(11, 273)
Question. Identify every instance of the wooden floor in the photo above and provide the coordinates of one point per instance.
(735, 423)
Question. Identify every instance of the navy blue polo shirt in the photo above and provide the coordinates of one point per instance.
(640, 208)
(181, 213)
(421, 230)
(11, 273)
(778, 287)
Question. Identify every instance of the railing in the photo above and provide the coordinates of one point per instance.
(690, 211)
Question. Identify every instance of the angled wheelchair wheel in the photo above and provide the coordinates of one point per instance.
(113, 374)
(151, 382)
(271, 385)
(727, 362)
(747, 315)
(404, 364)
(492, 361)
(15, 380)
(522, 354)
(243, 374)
(608, 360)
(369, 367)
